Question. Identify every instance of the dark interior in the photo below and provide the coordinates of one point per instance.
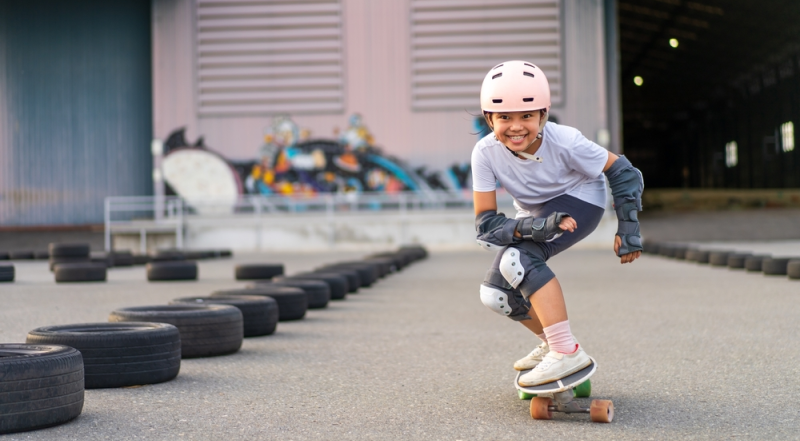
(733, 77)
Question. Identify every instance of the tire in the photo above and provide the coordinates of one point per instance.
(119, 354)
(259, 313)
(736, 260)
(399, 261)
(168, 256)
(793, 269)
(418, 251)
(650, 247)
(69, 250)
(7, 272)
(701, 256)
(41, 255)
(102, 258)
(718, 258)
(666, 250)
(351, 274)
(121, 258)
(258, 271)
(337, 283)
(41, 386)
(59, 260)
(206, 330)
(680, 252)
(368, 272)
(4, 255)
(318, 292)
(386, 265)
(172, 270)
(21, 255)
(775, 266)
(753, 263)
(141, 259)
(80, 272)
(292, 302)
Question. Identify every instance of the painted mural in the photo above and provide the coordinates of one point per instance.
(290, 162)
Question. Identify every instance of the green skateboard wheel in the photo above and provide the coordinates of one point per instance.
(525, 395)
(584, 390)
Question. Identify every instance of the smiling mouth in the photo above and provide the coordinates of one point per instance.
(516, 138)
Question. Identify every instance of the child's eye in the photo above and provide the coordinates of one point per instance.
(528, 115)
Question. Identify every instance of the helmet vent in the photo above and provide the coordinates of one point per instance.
(499, 65)
(527, 74)
(497, 100)
(527, 100)
(495, 76)
(529, 65)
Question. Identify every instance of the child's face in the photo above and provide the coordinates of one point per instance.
(516, 130)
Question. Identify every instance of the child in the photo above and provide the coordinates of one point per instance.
(556, 178)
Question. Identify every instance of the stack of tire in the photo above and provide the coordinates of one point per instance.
(72, 263)
(7, 272)
(168, 265)
(750, 262)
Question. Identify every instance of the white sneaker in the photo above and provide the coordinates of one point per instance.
(534, 358)
(555, 366)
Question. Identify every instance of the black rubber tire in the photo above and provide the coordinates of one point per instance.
(141, 259)
(351, 274)
(40, 386)
(318, 292)
(206, 330)
(650, 247)
(172, 270)
(718, 258)
(41, 255)
(69, 250)
(399, 261)
(736, 260)
(264, 271)
(793, 269)
(368, 272)
(337, 283)
(775, 266)
(680, 252)
(21, 255)
(80, 272)
(58, 260)
(259, 313)
(7, 272)
(102, 257)
(119, 354)
(417, 251)
(753, 263)
(4, 255)
(701, 256)
(386, 265)
(168, 256)
(121, 258)
(292, 302)
(665, 250)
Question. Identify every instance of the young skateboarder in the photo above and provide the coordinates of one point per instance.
(555, 176)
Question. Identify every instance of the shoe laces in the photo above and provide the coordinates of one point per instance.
(545, 363)
(541, 349)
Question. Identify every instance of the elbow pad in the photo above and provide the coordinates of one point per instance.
(542, 229)
(626, 184)
(495, 230)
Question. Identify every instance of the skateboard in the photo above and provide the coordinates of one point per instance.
(557, 396)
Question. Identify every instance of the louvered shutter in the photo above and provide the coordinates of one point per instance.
(455, 42)
(266, 57)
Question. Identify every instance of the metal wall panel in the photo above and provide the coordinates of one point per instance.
(455, 42)
(76, 106)
(267, 57)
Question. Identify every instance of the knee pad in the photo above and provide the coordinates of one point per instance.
(511, 267)
(504, 302)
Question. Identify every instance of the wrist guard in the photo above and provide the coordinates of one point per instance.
(495, 230)
(626, 188)
(541, 229)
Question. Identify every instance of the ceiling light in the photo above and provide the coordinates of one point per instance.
(637, 80)
(673, 42)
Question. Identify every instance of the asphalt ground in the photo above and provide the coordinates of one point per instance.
(685, 351)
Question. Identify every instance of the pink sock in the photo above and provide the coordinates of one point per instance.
(542, 336)
(560, 339)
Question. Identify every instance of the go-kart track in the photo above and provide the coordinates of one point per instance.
(685, 351)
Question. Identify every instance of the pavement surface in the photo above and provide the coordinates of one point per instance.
(685, 351)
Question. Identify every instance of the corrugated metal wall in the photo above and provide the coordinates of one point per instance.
(75, 108)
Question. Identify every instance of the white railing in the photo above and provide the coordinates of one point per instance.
(145, 214)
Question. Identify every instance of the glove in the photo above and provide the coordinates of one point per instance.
(628, 228)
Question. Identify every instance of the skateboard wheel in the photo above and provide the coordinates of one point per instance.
(601, 411)
(524, 395)
(540, 408)
(584, 390)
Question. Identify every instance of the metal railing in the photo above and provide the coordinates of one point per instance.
(145, 214)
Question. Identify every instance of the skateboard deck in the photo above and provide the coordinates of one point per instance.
(569, 382)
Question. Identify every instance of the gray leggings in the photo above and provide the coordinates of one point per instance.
(537, 273)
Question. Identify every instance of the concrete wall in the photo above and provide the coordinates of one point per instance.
(377, 84)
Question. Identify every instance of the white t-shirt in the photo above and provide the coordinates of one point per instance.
(570, 164)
